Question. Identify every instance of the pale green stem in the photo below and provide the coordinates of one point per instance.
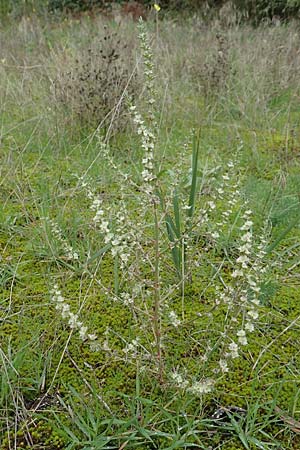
(157, 299)
(183, 258)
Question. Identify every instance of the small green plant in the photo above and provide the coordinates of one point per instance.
(148, 424)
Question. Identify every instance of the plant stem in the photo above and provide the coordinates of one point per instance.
(183, 253)
(157, 299)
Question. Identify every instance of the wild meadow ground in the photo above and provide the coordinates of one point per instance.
(149, 268)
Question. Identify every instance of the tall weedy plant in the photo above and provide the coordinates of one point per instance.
(136, 241)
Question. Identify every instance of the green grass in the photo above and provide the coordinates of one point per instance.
(56, 393)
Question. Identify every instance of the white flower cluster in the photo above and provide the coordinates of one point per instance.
(223, 365)
(126, 299)
(67, 248)
(174, 319)
(179, 380)
(246, 274)
(104, 150)
(146, 131)
(197, 388)
(118, 238)
(135, 349)
(202, 387)
(73, 321)
(132, 348)
(225, 186)
(233, 350)
(241, 296)
(250, 272)
(243, 261)
(227, 192)
(148, 144)
(148, 67)
(245, 291)
(96, 203)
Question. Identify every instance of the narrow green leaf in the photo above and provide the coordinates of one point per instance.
(176, 255)
(177, 214)
(116, 274)
(172, 225)
(240, 432)
(258, 443)
(195, 157)
(82, 425)
(145, 433)
(283, 234)
(99, 253)
(67, 430)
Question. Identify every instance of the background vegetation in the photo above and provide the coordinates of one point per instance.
(71, 151)
(254, 10)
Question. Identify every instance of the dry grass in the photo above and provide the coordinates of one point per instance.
(94, 83)
(236, 65)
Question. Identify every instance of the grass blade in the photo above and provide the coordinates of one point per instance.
(195, 158)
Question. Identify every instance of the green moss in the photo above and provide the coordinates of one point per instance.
(38, 435)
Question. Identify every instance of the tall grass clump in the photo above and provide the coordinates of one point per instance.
(93, 84)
